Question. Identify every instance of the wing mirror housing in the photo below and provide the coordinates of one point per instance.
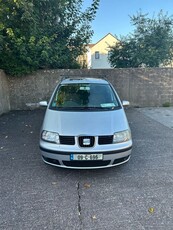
(43, 103)
(125, 103)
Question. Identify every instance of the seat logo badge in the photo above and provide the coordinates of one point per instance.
(86, 141)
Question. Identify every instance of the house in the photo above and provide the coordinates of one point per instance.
(97, 54)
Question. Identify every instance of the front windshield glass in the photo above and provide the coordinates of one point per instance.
(84, 96)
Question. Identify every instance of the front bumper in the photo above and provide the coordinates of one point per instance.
(110, 158)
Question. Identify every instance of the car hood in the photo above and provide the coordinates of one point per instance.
(85, 123)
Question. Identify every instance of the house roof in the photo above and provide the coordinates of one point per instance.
(91, 45)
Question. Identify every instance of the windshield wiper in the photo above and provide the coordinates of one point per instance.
(83, 108)
(96, 108)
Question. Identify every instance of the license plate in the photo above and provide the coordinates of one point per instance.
(86, 157)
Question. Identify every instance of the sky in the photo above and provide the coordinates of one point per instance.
(113, 15)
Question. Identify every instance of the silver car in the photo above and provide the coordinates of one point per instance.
(85, 126)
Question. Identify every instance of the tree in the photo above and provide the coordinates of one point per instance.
(40, 34)
(150, 45)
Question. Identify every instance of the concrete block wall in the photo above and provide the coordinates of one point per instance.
(142, 87)
(4, 93)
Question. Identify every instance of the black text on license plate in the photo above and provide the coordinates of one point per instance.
(86, 157)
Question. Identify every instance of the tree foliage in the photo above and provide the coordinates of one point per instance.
(150, 44)
(40, 34)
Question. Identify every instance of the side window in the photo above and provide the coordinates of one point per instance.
(97, 55)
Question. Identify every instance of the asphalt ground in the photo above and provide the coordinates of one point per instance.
(135, 196)
(164, 115)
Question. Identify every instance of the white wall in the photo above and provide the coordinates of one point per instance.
(101, 63)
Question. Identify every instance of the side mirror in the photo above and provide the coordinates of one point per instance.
(43, 103)
(125, 103)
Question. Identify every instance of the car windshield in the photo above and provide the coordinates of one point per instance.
(90, 96)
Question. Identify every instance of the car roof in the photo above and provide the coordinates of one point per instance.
(75, 80)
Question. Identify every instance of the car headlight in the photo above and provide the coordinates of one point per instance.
(50, 137)
(122, 136)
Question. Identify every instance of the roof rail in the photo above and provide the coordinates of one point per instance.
(63, 77)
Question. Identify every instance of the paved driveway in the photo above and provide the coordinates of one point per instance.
(134, 196)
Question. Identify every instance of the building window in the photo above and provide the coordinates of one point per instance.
(97, 55)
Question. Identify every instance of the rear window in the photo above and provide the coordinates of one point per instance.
(84, 96)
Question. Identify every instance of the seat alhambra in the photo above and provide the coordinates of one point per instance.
(85, 126)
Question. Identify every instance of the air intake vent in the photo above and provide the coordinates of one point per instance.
(105, 140)
(67, 140)
(86, 163)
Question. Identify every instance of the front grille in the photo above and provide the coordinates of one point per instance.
(67, 140)
(86, 163)
(86, 141)
(105, 140)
